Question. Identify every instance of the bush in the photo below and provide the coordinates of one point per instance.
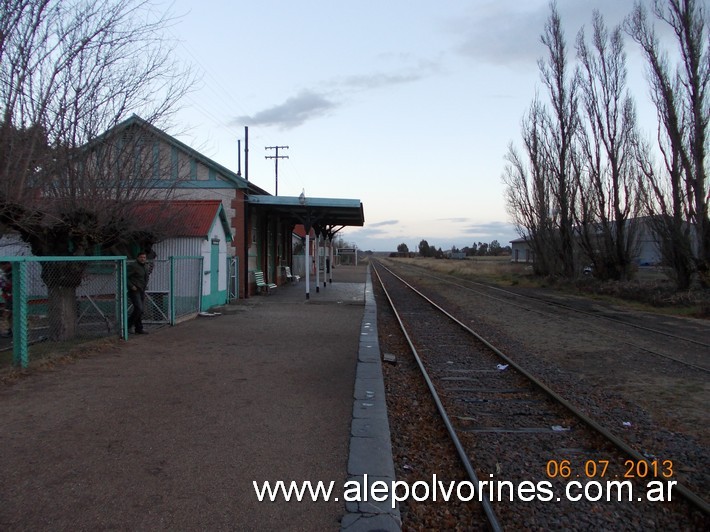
(659, 294)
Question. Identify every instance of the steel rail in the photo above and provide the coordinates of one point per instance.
(566, 307)
(583, 312)
(463, 456)
(693, 498)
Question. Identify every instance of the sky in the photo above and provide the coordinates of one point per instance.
(407, 105)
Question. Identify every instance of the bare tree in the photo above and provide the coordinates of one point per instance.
(679, 199)
(608, 189)
(529, 195)
(541, 198)
(561, 132)
(69, 71)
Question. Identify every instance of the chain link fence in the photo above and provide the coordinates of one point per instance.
(233, 278)
(49, 305)
(174, 289)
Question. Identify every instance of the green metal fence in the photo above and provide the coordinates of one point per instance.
(53, 303)
(232, 278)
(174, 289)
(50, 304)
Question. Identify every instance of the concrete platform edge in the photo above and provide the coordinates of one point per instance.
(370, 456)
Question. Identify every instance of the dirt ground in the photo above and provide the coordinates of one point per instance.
(621, 358)
(168, 431)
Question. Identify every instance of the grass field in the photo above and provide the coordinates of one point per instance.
(498, 270)
(650, 290)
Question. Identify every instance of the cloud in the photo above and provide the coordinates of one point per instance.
(500, 34)
(379, 79)
(453, 220)
(422, 70)
(370, 231)
(381, 224)
(310, 104)
(295, 111)
(380, 239)
(491, 231)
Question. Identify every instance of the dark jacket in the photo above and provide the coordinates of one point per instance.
(137, 276)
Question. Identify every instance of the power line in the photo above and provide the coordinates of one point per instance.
(276, 160)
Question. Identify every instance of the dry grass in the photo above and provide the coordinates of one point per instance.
(497, 270)
(650, 291)
(47, 356)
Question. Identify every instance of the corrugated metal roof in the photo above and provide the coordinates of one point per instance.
(187, 218)
(321, 211)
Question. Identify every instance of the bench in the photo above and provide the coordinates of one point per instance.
(291, 277)
(261, 283)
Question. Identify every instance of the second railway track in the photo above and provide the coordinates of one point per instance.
(691, 346)
(519, 434)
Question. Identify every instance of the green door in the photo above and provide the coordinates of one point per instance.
(214, 273)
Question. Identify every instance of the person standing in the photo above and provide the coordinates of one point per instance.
(137, 283)
(6, 293)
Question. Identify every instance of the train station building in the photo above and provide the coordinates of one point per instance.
(260, 230)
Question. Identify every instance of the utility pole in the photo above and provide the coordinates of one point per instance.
(246, 153)
(276, 158)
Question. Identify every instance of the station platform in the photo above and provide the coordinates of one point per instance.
(177, 429)
(348, 287)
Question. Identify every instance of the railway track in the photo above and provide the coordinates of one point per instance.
(512, 432)
(690, 348)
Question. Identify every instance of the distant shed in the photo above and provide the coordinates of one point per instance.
(521, 251)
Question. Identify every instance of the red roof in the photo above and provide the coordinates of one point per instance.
(190, 218)
(300, 230)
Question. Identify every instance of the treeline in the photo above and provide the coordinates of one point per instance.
(586, 182)
(480, 249)
(483, 249)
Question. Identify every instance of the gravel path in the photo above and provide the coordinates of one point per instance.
(168, 431)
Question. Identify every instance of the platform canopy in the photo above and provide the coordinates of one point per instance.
(323, 213)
